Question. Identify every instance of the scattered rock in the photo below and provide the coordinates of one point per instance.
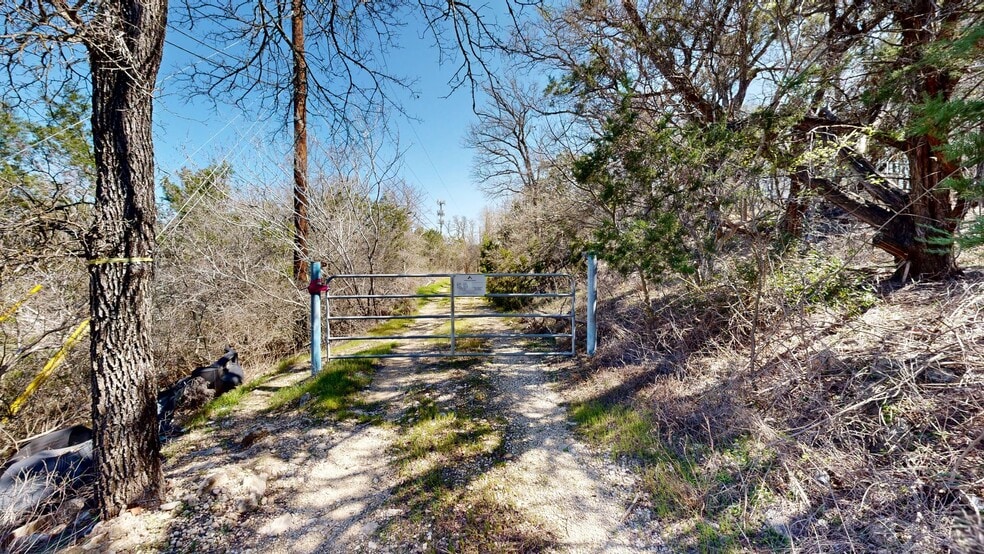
(214, 483)
(277, 526)
(170, 506)
(254, 489)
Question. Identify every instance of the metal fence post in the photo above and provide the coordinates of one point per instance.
(315, 320)
(452, 316)
(573, 316)
(592, 341)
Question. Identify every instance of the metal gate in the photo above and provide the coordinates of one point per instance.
(466, 300)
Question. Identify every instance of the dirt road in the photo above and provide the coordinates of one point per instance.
(457, 455)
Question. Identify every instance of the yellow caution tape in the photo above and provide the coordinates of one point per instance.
(49, 367)
(102, 261)
(10, 311)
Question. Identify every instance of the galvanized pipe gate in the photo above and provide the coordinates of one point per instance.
(460, 308)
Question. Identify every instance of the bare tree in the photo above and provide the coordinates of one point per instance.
(828, 76)
(509, 158)
(331, 63)
(122, 42)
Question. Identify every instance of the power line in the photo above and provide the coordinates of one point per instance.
(196, 196)
(173, 74)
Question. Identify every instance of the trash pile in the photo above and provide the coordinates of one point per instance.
(51, 473)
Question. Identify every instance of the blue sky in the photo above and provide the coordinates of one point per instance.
(190, 132)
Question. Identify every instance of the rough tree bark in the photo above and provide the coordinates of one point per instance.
(300, 82)
(915, 226)
(124, 61)
(932, 213)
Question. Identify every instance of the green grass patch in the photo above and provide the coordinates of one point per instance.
(449, 434)
(423, 408)
(443, 447)
(461, 327)
(223, 406)
(394, 326)
(334, 392)
(291, 363)
(721, 490)
(441, 452)
(670, 480)
(441, 286)
(625, 431)
(714, 538)
(390, 327)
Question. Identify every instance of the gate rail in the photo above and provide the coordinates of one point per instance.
(453, 316)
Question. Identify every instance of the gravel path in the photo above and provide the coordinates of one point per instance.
(587, 500)
(299, 486)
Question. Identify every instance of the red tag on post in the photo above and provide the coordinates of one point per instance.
(317, 287)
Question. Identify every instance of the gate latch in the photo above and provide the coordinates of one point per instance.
(317, 286)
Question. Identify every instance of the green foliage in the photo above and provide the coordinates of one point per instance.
(660, 187)
(818, 279)
(955, 125)
(47, 176)
(963, 120)
(496, 257)
(652, 246)
(333, 392)
(54, 144)
(210, 182)
(958, 125)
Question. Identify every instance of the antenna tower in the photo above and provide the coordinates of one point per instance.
(440, 217)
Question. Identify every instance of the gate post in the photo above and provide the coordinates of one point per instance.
(592, 341)
(452, 315)
(315, 290)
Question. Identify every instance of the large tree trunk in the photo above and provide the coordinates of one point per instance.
(915, 226)
(930, 218)
(124, 61)
(921, 238)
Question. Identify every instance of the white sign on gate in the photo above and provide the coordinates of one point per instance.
(469, 284)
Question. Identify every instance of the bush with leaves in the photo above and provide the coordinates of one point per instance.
(662, 189)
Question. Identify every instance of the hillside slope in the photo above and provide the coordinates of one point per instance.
(716, 421)
(831, 426)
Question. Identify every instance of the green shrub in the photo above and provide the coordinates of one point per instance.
(818, 279)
